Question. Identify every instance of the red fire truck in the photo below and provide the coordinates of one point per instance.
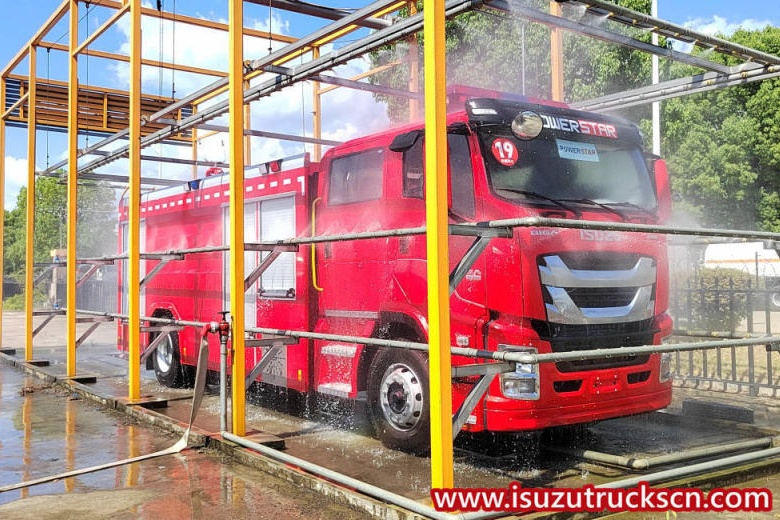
(533, 290)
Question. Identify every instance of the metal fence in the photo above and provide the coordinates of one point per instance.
(95, 294)
(718, 307)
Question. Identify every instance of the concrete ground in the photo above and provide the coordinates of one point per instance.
(44, 431)
(336, 437)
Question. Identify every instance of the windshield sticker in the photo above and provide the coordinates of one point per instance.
(505, 151)
(577, 151)
(580, 126)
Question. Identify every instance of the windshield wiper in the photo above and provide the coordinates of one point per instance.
(599, 204)
(635, 206)
(539, 196)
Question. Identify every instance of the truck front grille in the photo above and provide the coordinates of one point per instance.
(597, 287)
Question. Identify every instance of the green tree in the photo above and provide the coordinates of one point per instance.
(495, 50)
(723, 149)
(97, 217)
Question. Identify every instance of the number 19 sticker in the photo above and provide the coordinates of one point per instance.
(504, 151)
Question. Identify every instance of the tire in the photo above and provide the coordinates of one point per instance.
(774, 301)
(167, 364)
(398, 403)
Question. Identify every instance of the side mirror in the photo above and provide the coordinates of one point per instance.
(663, 190)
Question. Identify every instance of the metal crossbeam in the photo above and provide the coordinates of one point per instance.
(329, 13)
(45, 322)
(677, 88)
(368, 87)
(87, 275)
(534, 15)
(488, 372)
(471, 256)
(43, 273)
(96, 323)
(678, 32)
(164, 333)
(271, 135)
(268, 356)
(157, 268)
(394, 32)
(271, 340)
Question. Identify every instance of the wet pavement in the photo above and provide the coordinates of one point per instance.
(45, 431)
(327, 433)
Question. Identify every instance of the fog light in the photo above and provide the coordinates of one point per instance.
(665, 374)
(523, 382)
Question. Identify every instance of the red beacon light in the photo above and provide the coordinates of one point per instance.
(214, 170)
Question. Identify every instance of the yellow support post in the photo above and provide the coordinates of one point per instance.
(247, 126)
(236, 106)
(73, 143)
(556, 55)
(316, 111)
(2, 201)
(437, 244)
(134, 209)
(29, 257)
(194, 146)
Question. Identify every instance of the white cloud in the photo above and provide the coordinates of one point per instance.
(720, 25)
(15, 178)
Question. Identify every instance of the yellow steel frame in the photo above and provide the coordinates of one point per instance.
(556, 56)
(316, 111)
(2, 202)
(236, 106)
(134, 209)
(436, 199)
(30, 242)
(73, 148)
(437, 244)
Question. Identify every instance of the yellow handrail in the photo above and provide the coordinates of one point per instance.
(313, 251)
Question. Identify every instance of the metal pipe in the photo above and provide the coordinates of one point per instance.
(223, 358)
(676, 88)
(663, 476)
(669, 458)
(340, 478)
(329, 13)
(517, 357)
(678, 32)
(381, 37)
(625, 226)
(516, 8)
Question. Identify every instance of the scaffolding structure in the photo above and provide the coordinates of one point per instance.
(143, 120)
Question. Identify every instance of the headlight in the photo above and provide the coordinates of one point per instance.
(527, 125)
(665, 374)
(523, 382)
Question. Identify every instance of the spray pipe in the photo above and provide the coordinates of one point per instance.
(224, 330)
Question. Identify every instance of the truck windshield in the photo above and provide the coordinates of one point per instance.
(571, 169)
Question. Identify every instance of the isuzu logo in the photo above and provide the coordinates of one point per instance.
(594, 235)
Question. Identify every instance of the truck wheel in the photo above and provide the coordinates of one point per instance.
(774, 301)
(398, 402)
(167, 365)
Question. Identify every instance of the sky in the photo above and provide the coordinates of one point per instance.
(347, 113)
